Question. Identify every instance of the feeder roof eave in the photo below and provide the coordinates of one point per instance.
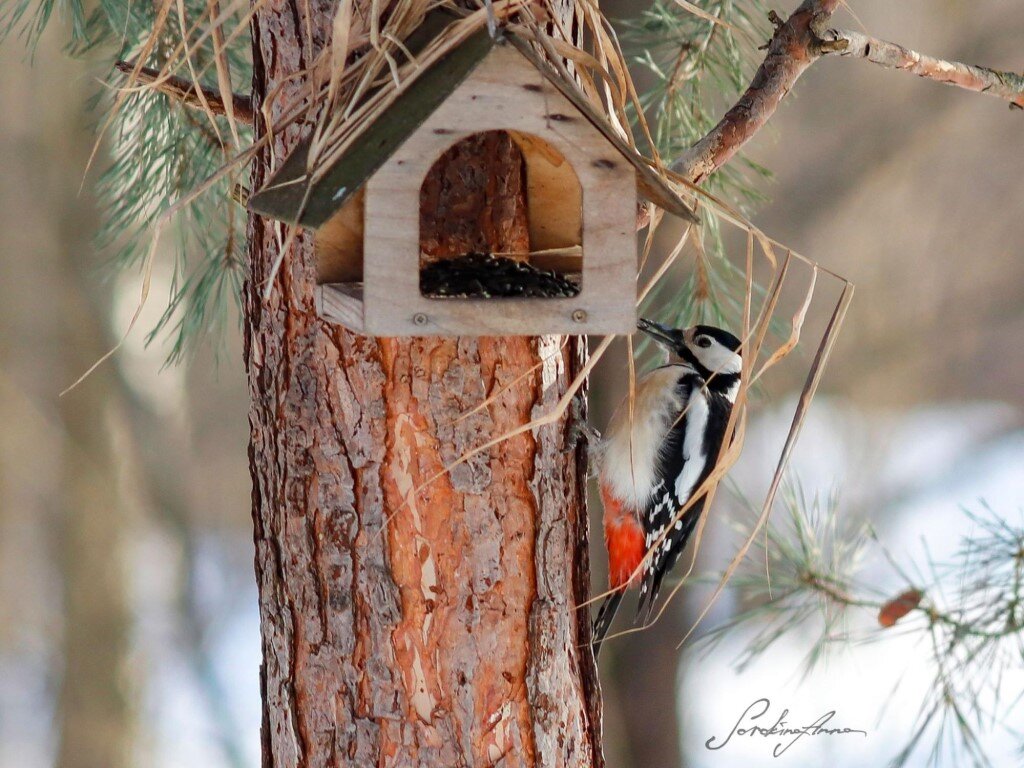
(287, 195)
(650, 185)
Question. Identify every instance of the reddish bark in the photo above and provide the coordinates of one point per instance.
(437, 632)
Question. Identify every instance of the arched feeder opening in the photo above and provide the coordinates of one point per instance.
(531, 208)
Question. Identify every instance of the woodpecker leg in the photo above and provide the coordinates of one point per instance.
(579, 430)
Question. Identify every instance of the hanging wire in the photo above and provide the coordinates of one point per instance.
(492, 21)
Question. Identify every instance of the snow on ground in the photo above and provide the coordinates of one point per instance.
(914, 474)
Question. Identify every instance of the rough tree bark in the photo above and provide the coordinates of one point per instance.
(438, 632)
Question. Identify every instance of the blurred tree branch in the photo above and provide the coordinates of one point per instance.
(798, 42)
(164, 477)
(185, 91)
(97, 709)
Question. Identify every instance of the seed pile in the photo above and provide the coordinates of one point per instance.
(484, 276)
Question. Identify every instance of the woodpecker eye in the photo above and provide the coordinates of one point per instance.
(703, 341)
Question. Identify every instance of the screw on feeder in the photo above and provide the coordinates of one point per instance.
(579, 316)
(419, 319)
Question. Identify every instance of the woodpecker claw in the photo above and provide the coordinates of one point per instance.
(579, 430)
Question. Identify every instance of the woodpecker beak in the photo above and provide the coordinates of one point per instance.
(660, 333)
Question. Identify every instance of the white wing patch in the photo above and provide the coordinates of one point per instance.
(694, 459)
(734, 389)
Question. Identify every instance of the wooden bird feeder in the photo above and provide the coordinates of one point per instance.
(581, 185)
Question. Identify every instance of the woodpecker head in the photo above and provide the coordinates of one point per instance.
(713, 352)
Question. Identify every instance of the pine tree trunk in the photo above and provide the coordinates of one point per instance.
(96, 708)
(442, 631)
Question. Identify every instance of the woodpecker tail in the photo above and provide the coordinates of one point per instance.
(605, 615)
(664, 559)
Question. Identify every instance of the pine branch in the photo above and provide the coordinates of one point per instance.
(696, 65)
(793, 48)
(967, 610)
(182, 90)
(798, 42)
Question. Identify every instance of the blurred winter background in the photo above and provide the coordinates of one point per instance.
(128, 622)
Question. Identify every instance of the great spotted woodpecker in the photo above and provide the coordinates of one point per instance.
(655, 454)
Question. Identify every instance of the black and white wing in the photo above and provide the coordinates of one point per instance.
(686, 458)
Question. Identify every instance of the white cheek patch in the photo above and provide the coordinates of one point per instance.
(718, 359)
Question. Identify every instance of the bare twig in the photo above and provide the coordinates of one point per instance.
(1004, 85)
(798, 42)
(185, 92)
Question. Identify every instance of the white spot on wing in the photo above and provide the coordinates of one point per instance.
(732, 391)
